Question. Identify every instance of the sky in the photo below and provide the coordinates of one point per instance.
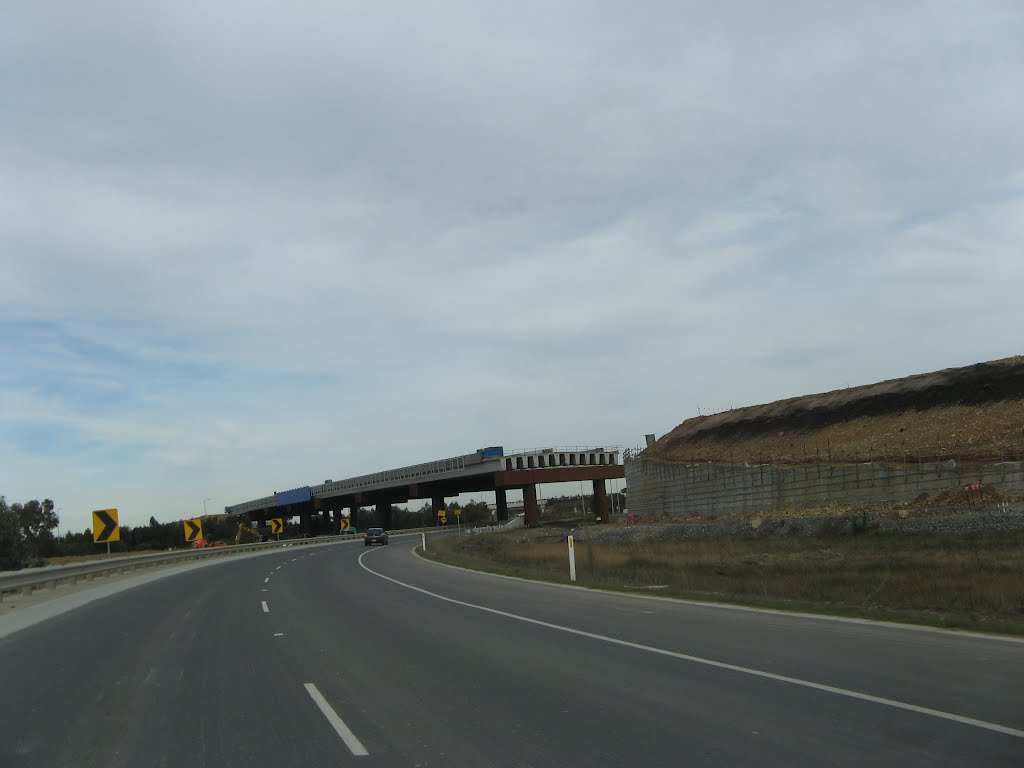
(248, 246)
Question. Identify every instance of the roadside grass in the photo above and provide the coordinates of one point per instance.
(973, 582)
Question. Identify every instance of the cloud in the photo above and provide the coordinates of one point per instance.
(247, 245)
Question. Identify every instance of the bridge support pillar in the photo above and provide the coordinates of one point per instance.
(384, 515)
(335, 521)
(436, 504)
(501, 505)
(307, 522)
(601, 502)
(353, 516)
(530, 505)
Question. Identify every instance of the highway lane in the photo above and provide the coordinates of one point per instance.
(978, 677)
(177, 672)
(192, 670)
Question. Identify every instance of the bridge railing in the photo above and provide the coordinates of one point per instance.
(248, 506)
(556, 457)
(413, 472)
(565, 449)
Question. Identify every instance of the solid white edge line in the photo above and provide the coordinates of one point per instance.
(959, 633)
(266, 608)
(1006, 730)
(354, 745)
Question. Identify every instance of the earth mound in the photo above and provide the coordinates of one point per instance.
(970, 413)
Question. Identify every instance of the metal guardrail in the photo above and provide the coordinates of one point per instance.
(30, 579)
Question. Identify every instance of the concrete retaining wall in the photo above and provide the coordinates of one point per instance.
(711, 490)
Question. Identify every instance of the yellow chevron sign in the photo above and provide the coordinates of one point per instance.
(104, 526)
(277, 525)
(193, 529)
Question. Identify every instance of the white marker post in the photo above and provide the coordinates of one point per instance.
(423, 536)
(572, 561)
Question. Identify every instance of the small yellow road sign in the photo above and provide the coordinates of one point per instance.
(104, 526)
(344, 523)
(277, 525)
(193, 529)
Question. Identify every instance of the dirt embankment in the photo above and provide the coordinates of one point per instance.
(975, 412)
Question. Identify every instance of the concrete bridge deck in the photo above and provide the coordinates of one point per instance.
(487, 469)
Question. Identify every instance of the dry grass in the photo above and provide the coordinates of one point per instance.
(991, 430)
(970, 582)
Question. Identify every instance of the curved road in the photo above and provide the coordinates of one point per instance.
(342, 656)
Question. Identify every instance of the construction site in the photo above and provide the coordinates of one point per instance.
(951, 440)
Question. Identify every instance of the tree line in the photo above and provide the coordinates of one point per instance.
(28, 535)
(28, 530)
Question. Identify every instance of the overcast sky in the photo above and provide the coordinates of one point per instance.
(247, 246)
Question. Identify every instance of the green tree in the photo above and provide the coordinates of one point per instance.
(13, 549)
(426, 516)
(411, 518)
(365, 518)
(38, 522)
(476, 513)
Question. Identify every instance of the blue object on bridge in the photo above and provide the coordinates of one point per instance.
(294, 496)
(494, 452)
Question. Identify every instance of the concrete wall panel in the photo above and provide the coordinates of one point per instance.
(713, 490)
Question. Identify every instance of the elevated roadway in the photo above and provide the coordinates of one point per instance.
(488, 469)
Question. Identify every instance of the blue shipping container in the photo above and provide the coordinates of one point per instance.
(294, 496)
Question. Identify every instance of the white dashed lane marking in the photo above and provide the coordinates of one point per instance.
(354, 745)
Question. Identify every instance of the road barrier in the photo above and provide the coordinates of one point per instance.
(30, 579)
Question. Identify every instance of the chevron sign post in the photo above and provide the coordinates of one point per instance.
(105, 528)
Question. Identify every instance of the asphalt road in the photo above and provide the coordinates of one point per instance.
(313, 658)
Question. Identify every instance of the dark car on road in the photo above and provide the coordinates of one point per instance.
(375, 536)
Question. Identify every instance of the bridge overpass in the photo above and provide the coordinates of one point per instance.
(487, 469)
